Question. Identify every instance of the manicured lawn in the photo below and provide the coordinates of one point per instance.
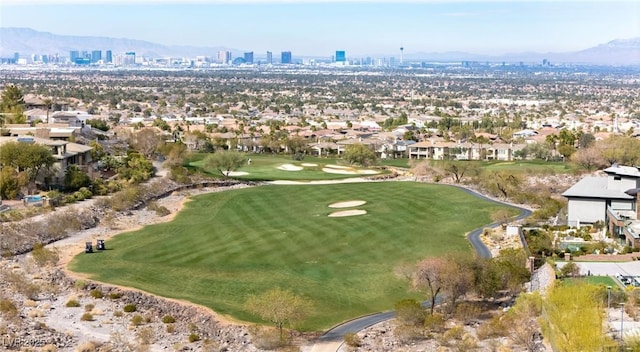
(225, 246)
(529, 167)
(264, 167)
(596, 280)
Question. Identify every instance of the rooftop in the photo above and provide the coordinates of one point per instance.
(594, 187)
(623, 170)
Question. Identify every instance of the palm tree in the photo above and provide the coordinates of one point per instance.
(48, 102)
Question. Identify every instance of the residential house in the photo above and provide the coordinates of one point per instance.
(65, 154)
(441, 150)
(612, 199)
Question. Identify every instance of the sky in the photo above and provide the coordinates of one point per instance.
(308, 27)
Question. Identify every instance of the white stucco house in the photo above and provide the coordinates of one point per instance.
(613, 199)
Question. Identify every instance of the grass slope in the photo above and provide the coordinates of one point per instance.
(225, 246)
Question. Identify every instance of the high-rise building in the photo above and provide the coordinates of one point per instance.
(341, 56)
(16, 56)
(74, 55)
(224, 57)
(248, 57)
(130, 58)
(269, 57)
(96, 56)
(109, 57)
(285, 57)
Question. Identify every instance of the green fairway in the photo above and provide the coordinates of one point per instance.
(225, 246)
(267, 167)
(529, 167)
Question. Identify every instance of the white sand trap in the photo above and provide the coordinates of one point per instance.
(338, 167)
(339, 214)
(309, 165)
(290, 167)
(348, 204)
(235, 173)
(339, 171)
(367, 172)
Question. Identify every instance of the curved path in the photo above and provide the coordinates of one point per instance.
(332, 339)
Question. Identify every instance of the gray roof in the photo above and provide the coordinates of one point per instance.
(594, 187)
(623, 170)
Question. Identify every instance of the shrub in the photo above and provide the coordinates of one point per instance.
(78, 196)
(85, 192)
(193, 337)
(167, 319)
(130, 308)
(145, 336)
(410, 311)
(136, 320)
(73, 303)
(86, 317)
(352, 339)
(96, 294)
(86, 347)
(171, 328)
(49, 348)
(406, 333)
(115, 295)
(266, 338)
(8, 308)
(89, 307)
(80, 285)
(159, 209)
(43, 256)
(467, 312)
(434, 322)
(118, 314)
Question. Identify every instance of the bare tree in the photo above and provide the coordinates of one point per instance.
(429, 279)
(146, 141)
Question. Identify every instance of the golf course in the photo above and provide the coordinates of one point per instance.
(223, 247)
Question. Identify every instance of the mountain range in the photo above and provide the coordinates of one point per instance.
(27, 41)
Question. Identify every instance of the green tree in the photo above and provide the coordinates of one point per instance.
(620, 149)
(511, 264)
(224, 162)
(297, 147)
(98, 124)
(360, 154)
(573, 318)
(26, 158)
(12, 105)
(10, 183)
(280, 307)
(76, 178)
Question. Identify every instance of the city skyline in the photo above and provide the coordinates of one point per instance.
(309, 28)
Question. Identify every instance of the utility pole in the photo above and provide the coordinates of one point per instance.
(621, 321)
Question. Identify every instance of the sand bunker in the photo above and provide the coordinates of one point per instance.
(290, 167)
(347, 171)
(235, 173)
(348, 204)
(309, 165)
(367, 172)
(343, 213)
